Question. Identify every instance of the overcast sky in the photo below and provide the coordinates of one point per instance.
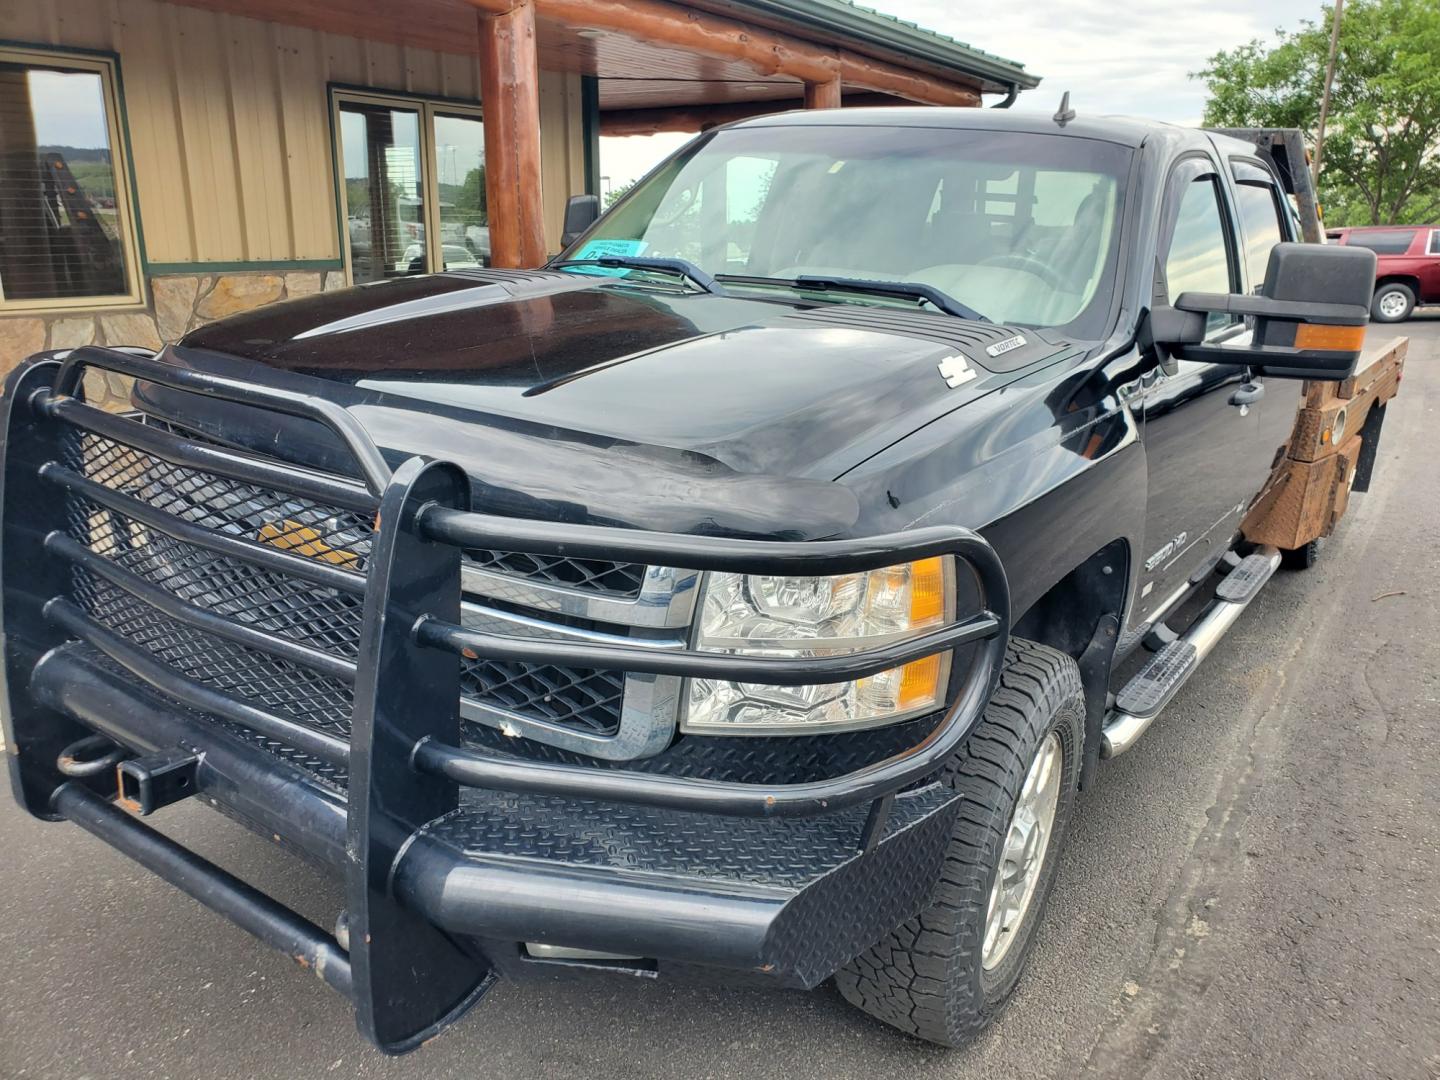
(1114, 56)
(67, 109)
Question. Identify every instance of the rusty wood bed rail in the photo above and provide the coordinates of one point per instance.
(1331, 451)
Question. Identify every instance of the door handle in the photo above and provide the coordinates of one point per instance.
(1248, 394)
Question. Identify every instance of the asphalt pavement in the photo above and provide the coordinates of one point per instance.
(1251, 892)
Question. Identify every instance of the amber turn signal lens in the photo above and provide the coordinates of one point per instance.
(1338, 338)
(927, 591)
(920, 683)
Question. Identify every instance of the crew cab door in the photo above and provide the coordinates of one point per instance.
(1205, 444)
(1429, 266)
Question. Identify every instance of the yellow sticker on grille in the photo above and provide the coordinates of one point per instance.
(302, 540)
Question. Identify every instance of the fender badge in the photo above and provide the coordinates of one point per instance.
(956, 371)
(1005, 346)
(1174, 547)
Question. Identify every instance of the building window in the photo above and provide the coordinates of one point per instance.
(412, 192)
(67, 224)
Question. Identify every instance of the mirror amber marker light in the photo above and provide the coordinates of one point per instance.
(1336, 338)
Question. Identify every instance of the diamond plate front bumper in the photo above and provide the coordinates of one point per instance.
(791, 899)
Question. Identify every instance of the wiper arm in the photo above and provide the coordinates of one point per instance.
(681, 267)
(915, 290)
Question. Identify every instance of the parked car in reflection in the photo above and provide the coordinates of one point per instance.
(1407, 271)
(477, 239)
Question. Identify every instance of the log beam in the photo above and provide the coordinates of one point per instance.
(764, 52)
(883, 78)
(510, 90)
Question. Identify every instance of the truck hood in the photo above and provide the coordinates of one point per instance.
(666, 380)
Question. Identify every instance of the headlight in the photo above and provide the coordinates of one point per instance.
(754, 615)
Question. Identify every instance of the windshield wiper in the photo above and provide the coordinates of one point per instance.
(914, 290)
(680, 267)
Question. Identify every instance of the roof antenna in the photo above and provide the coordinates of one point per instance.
(1064, 114)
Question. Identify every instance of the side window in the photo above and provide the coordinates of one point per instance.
(1384, 241)
(1435, 242)
(1198, 259)
(1260, 220)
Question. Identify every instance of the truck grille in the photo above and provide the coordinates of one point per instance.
(275, 603)
(587, 701)
(585, 575)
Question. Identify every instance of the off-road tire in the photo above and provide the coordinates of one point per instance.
(1301, 558)
(1404, 291)
(927, 978)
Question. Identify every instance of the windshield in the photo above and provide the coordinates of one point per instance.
(1021, 227)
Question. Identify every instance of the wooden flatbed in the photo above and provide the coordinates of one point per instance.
(1330, 450)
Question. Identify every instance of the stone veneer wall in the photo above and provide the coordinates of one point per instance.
(178, 304)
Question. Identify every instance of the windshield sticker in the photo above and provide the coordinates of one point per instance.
(600, 249)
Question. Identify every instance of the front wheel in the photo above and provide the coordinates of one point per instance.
(1392, 303)
(946, 973)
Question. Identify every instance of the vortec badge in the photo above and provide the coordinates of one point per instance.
(1005, 346)
(956, 371)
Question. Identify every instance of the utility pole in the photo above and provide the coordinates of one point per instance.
(1325, 94)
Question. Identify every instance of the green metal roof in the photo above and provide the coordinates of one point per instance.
(849, 20)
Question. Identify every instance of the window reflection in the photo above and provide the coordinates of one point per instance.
(61, 228)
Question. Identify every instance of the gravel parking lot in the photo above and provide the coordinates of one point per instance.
(1252, 892)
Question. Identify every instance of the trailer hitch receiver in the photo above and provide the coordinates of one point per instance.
(148, 783)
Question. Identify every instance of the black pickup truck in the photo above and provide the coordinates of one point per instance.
(744, 596)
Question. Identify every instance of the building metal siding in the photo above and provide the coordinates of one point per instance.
(230, 128)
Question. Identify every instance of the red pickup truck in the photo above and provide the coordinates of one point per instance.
(1408, 266)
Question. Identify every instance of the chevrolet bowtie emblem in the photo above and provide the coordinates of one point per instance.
(956, 371)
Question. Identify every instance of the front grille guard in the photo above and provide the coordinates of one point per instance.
(404, 758)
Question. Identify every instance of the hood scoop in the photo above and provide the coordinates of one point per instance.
(1014, 347)
(521, 282)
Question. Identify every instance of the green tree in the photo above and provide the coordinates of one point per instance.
(470, 199)
(96, 178)
(1381, 161)
(616, 193)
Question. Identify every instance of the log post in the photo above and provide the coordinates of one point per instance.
(823, 95)
(510, 97)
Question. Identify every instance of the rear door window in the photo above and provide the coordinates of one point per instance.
(1263, 226)
(1384, 241)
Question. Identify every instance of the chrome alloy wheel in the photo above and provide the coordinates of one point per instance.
(1026, 842)
(1392, 305)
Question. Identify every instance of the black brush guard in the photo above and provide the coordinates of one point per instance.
(442, 846)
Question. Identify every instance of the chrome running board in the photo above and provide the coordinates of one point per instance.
(1146, 695)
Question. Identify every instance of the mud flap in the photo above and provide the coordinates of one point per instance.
(1369, 448)
(411, 979)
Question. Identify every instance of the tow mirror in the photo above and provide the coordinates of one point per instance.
(1309, 321)
(581, 212)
